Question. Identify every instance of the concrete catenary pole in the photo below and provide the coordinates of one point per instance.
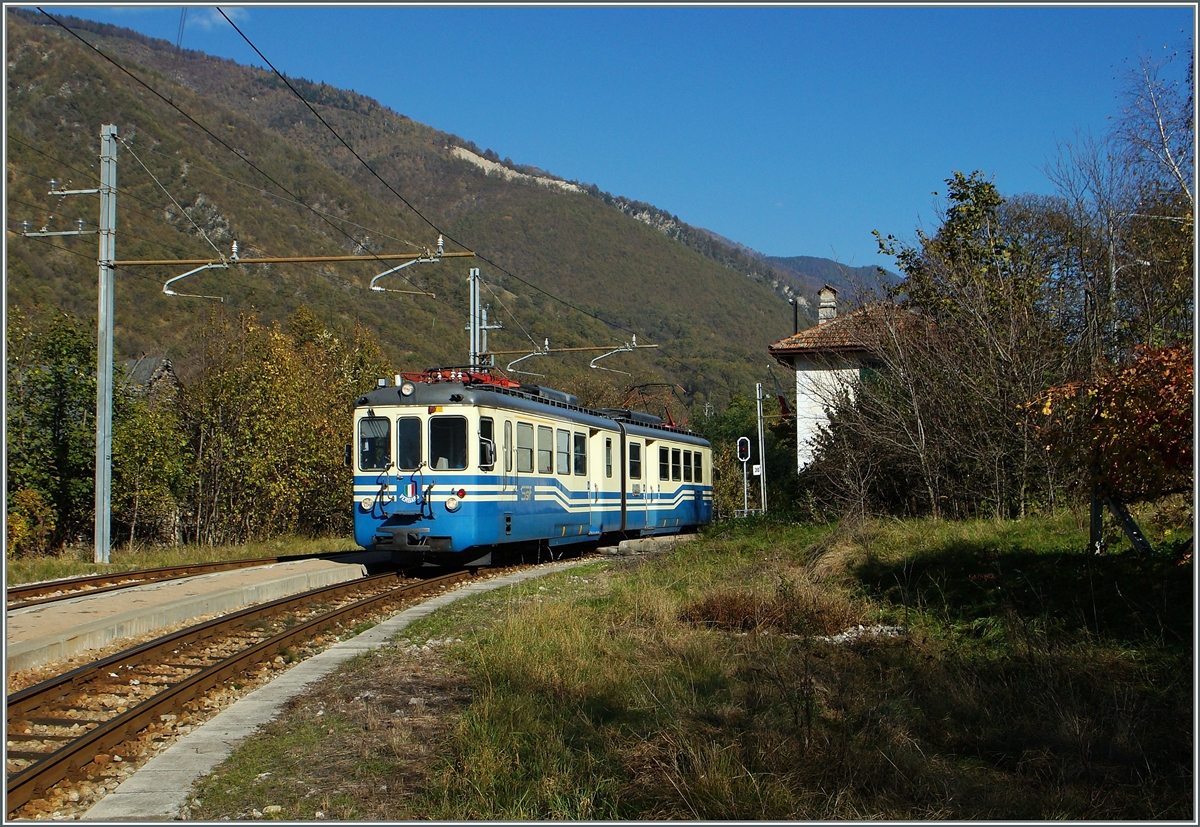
(104, 340)
(762, 455)
(473, 356)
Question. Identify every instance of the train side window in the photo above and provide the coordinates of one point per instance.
(408, 443)
(608, 458)
(663, 464)
(635, 460)
(448, 443)
(563, 444)
(687, 466)
(580, 454)
(487, 443)
(508, 446)
(675, 464)
(698, 464)
(545, 454)
(374, 443)
(524, 448)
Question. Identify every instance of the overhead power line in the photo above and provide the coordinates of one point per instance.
(214, 137)
(334, 132)
(197, 123)
(392, 190)
(327, 219)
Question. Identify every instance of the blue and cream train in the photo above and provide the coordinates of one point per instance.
(454, 464)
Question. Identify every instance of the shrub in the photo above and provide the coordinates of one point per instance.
(30, 524)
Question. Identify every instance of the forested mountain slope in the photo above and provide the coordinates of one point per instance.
(566, 266)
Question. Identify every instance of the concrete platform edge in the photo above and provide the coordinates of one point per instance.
(159, 790)
(96, 634)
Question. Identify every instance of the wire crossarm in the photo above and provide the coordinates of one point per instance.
(543, 351)
(167, 287)
(379, 289)
(426, 257)
(628, 347)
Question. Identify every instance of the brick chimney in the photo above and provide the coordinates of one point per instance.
(828, 308)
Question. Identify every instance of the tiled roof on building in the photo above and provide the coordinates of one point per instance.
(856, 332)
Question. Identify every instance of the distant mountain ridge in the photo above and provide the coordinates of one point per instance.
(813, 272)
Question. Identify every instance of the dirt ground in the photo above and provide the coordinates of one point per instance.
(369, 734)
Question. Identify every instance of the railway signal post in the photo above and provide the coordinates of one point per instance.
(743, 455)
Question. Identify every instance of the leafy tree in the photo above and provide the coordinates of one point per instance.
(977, 333)
(1130, 201)
(149, 462)
(50, 415)
(267, 419)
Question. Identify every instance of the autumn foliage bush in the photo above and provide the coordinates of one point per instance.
(249, 446)
(1129, 430)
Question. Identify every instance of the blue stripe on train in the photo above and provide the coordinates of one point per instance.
(529, 509)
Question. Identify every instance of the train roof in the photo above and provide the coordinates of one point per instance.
(439, 386)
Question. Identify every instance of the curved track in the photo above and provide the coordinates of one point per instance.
(58, 726)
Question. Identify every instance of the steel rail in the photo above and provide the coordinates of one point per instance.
(69, 759)
(53, 689)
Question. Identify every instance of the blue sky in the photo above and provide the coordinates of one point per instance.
(796, 130)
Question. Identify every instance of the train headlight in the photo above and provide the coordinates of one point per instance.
(406, 389)
(366, 503)
(452, 504)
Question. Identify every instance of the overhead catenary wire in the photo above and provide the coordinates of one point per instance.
(194, 166)
(166, 192)
(124, 192)
(241, 157)
(136, 272)
(327, 218)
(128, 234)
(199, 125)
(334, 132)
(419, 214)
(405, 201)
(267, 176)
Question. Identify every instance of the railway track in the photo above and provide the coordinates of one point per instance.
(56, 728)
(34, 594)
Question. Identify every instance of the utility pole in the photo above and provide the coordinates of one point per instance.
(473, 327)
(104, 340)
(762, 456)
(479, 326)
(104, 325)
(107, 261)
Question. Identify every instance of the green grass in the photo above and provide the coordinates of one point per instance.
(1034, 680)
(80, 560)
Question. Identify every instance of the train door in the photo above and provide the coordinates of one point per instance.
(636, 509)
(606, 476)
(508, 481)
(523, 478)
(702, 464)
(584, 443)
(668, 471)
(692, 496)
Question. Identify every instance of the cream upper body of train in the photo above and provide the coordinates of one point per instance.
(452, 464)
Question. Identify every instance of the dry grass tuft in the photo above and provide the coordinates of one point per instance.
(792, 607)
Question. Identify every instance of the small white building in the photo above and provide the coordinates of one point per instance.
(828, 359)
